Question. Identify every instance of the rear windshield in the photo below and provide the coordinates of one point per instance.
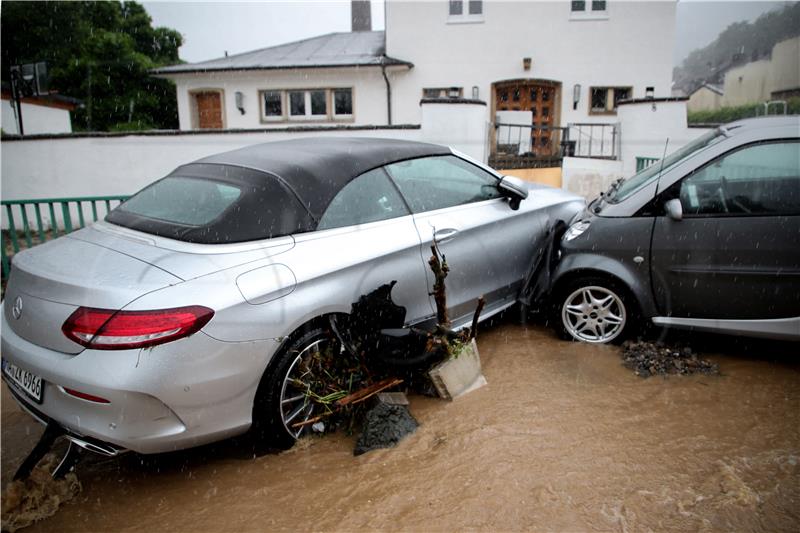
(189, 201)
(215, 204)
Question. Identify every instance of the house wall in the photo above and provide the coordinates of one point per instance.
(756, 81)
(369, 94)
(461, 126)
(588, 177)
(704, 99)
(36, 119)
(785, 72)
(747, 84)
(120, 165)
(624, 48)
(648, 128)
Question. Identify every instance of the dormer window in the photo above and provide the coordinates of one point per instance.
(465, 11)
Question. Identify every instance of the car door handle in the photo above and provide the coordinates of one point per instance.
(444, 235)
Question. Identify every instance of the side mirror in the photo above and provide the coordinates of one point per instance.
(674, 209)
(514, 188)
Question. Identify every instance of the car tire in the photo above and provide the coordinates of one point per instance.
(279, 402)
(595, 310)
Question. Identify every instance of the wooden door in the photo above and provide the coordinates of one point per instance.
(209, 110)
(539, 97)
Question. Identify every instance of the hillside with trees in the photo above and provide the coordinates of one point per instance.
(100, 53)
(737, 44)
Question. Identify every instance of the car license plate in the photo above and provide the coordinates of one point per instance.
(28, 382)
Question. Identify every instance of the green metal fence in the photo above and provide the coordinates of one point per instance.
(51, 217)
(644, 162)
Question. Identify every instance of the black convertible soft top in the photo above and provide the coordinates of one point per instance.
(317, 168)
(285, 188)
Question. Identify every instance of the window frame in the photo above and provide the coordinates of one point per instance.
(263, 106)
(343, 116)
(588, 12)
(286, 112)
(611, 107)
(442, 90)
(465, 17)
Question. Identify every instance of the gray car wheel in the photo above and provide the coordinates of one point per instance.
(283, 403)
(594, 311)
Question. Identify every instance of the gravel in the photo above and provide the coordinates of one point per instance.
(655, 358)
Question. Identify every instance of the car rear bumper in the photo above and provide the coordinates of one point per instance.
(173, 396)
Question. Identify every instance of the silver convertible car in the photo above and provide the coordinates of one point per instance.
(185, 316)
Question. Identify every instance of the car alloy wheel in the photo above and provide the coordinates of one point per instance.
(593, 314)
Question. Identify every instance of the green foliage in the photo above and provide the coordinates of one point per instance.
(747, 41)
(99, 52)
(729, 114)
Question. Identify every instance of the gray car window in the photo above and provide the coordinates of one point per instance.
(368, 198)
(189, 201)
(754, 180)
(437, 182)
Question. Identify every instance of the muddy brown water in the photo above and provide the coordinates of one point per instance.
(562, 439)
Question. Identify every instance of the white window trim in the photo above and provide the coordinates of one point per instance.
(465, 17)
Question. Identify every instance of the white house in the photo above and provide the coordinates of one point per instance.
(40, 114)
(563, 62)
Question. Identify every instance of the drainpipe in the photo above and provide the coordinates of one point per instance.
(388, 93)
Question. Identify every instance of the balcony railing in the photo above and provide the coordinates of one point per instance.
(30, 222)
(529, 146)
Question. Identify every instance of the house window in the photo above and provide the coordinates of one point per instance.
(604, 100)
(443, 92)
(343, 103)
(273, 105)
(465, 11)
(319, 103)
(297, 104)
(589, 10)
(307, 104)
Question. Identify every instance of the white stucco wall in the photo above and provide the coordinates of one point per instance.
(99, 166)
(369, 93)
(645, 128)
(631, 46)
(461, 126)
(36, 119)
(589, 177)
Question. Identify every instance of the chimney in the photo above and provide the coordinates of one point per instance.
(361, 15)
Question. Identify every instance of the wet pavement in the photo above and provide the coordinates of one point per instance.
(564, 438)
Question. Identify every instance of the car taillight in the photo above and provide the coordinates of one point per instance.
(106, 329)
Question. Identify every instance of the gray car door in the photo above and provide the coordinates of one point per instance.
(487, 245)
(365, 238)
(736, 252)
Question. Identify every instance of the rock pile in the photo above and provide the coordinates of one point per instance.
(655, 358)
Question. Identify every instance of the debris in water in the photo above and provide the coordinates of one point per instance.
(38, 496)
(655, 358)
(384, 426)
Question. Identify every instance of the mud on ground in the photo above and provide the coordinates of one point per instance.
(564, 438)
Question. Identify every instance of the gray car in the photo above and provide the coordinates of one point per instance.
(186, 316)
(707, 239)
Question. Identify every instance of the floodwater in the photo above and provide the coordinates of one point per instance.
(563, 438)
